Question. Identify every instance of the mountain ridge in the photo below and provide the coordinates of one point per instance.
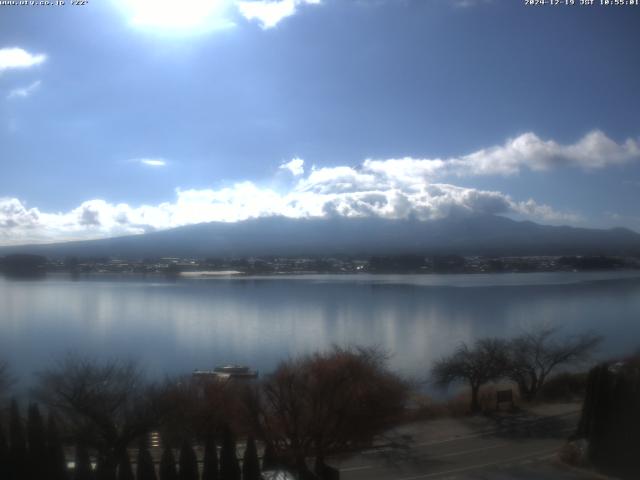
(465, 235)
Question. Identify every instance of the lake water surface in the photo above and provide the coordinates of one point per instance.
(177, 326)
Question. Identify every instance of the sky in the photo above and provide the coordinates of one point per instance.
(126, 116)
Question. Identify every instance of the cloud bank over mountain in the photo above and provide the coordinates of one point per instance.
(390, 189)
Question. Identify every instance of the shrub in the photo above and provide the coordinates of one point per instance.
(564, 387)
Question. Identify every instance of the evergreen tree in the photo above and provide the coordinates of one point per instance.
(610, 418)
(83, 469)
(4, 455)
(125, 472)
(168, 465)
(106, 468)
(229, 467)
(269, 459)
(145, 469)
(210, 469)
(56, 461)
(18, 445)
(188, 462)
(37, 444)
(250, 463)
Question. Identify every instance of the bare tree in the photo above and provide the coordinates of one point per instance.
(107, 405)
(322, 403)
(484, 362)
(198, 407)
(535, 354)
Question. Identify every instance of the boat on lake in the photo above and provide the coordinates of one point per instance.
(230, 371)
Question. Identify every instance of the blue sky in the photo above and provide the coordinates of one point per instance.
(125, 116)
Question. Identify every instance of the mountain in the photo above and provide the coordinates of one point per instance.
(478, 235)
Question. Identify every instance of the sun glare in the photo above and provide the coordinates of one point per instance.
(178, 15)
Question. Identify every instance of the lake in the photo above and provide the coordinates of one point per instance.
(177, 326)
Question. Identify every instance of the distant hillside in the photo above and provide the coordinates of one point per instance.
(480, 235)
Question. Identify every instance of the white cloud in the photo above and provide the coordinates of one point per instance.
(392, 189)
(151, 162)
(595, 150)
(525, 152)
(295, 166)
(544, 213)
(97, 218)
(470, 3)
(19, 58)
(14, 214)
(271, 12)
(24, 92)
(203, 16)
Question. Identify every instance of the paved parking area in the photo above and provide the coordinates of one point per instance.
(520, 445)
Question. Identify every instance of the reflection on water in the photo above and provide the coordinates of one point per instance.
(175, 327)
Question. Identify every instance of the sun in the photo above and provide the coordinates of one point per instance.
(178, 15)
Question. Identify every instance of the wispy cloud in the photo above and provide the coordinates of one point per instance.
(15, 57)
(294, 166)
(24, 92)
(470, 3)
(270, 13)
(151, 162)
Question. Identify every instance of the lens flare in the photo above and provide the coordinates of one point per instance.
(179, 15)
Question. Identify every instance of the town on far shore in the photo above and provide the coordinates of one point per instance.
(17, 264)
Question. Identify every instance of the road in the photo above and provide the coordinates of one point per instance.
(504, 446)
